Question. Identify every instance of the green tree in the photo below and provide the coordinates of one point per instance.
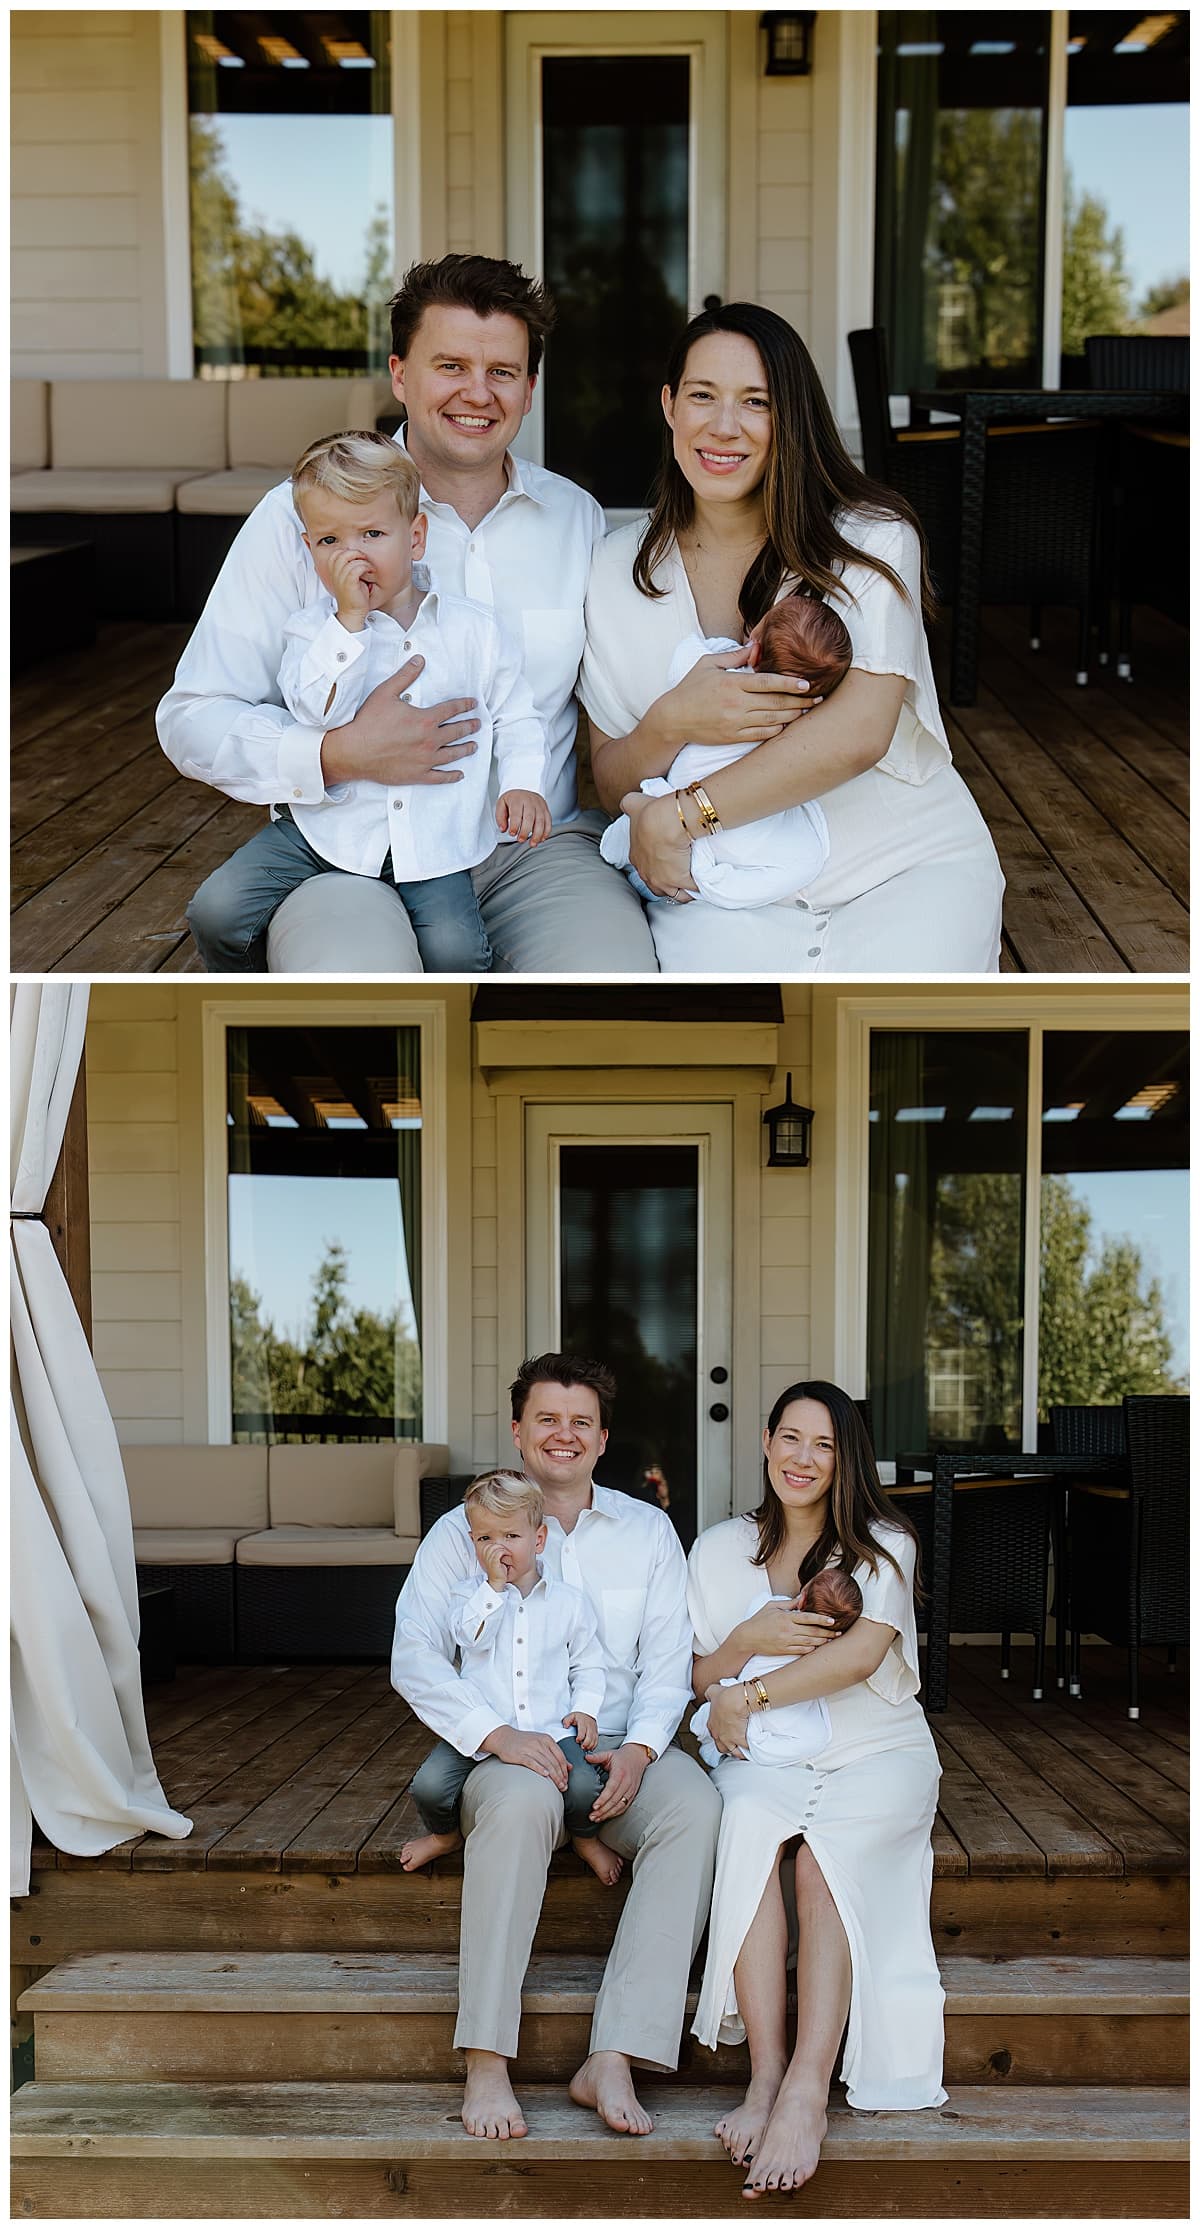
(984, 246)
(1167, 295)
(348, 1361)
(1095, 295)
(1102, 1330)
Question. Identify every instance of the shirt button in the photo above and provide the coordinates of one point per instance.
(408, 646)
(405, 697)
(297, 793)
(341, 657)
(397, 805)
(814, 951)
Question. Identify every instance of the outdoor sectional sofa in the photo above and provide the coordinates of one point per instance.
(302, 1551)
(158, 474)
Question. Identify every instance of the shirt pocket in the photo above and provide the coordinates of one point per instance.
(622, 1622)
(553, 649)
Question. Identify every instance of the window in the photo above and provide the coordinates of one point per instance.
(324, 1134)
(290, 154)
(977, 1324)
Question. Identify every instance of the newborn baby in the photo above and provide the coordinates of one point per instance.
(791, 1733)
(769, 860)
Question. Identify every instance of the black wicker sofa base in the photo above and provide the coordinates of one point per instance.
(204, 1611)
(290, 1611)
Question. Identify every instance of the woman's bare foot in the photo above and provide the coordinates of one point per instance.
(605, 1863)
(489, 2107)
(790, 2145)
(741, 2130)
(605, 2083)
(426, 1846)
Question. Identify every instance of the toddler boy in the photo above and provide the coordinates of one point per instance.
(790, 1733)
(769, 860)
(358, 496)
(528, 1645)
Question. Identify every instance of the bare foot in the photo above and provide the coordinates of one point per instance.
(790, 2145)
(741, 2129)
(605, 1863)
(605, 2083)
(489, 2107)
(426, 1846)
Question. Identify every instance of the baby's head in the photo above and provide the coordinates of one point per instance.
(802, 636)
(505, 1507)
(360, 493)
(833, 1594)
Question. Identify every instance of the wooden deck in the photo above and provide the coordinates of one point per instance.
(304, 1770)
(1086, 793)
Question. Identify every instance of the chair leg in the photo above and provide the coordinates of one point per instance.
(1172, 1658)
(1039, 1661)
(1124, 642)
(1081, 670)
(1005, 1654)
(1134, 1710)
(1075, 1688)
(1035, 626)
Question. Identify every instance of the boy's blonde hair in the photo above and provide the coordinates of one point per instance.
(357, 467)
(506, 1494)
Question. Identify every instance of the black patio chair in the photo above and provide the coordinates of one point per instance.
(1146, 515)
(1129, 1549)
(1040, 502)
(999, 1558)
(1075, 1429)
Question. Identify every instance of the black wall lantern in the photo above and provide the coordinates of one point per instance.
(789, 1129)
(789, 41)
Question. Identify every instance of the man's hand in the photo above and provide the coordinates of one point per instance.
(586, 1731)
(390, 741)
(625, 1769)
(348, 586)
(522, 813)
(496, 1562)
(539, 1753)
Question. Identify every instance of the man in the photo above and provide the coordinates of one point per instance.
(657, 1809)
(467, 336)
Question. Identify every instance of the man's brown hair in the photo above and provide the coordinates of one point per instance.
(483, 283)
(564, 1369)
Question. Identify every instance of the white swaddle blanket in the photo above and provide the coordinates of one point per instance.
(790, 1733)
(761, 864)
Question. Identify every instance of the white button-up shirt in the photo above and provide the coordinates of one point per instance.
(528, 1659)
(430, 828)
(223, 722)
(625, 1557)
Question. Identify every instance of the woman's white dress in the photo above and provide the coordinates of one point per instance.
(865, 1807)
(912, 884)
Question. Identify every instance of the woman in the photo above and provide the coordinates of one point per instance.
(756, 495)
(864, 1806)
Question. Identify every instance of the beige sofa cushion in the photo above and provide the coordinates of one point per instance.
(316, 1545)
(335, 1485)
(29, 425)
(189, 1544)
(433, 1459)
(229, 495)
(172, 425)
(126, 491)
(272, 421)
(194, 1487)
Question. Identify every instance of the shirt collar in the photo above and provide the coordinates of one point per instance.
(519, 480)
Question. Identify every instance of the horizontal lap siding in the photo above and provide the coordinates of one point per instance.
(134, 1160)
(486, 1421)
(785, 1218)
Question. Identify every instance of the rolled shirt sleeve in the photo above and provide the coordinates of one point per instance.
(318, 680)
(518, 735)
(663, 1667)
(586, 1659)
(422, 1649)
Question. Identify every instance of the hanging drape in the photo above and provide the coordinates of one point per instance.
(900, 1242)
(80, 1753)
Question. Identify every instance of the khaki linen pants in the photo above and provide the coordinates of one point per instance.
(512, 1820)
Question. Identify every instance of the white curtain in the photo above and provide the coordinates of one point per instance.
(81, 1761)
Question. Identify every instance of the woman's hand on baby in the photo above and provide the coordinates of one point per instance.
(522, 813)
(724, 700)
(658, 847)
(784, 1629)
(728, 1719)
(587, 1733)
(538, 1753)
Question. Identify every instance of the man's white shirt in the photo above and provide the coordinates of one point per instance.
(222, 721)
(528, 1659)
(430, 828)
(625, 1557)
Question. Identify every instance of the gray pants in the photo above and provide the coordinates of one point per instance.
(555, 908)
(512, 1820)
(437, 1787)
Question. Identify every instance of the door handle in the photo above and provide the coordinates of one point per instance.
(718, 1412)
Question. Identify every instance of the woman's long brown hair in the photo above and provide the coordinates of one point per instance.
(809, 477)
(855, 1501)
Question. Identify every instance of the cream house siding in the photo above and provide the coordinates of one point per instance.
(785, 1219)
(89, 249)
(770, 179)
(488, 1422)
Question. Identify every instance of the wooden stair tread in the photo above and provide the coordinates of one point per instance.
(412, 1982)
(384, 2121)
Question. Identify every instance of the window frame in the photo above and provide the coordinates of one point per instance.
(329, 1012)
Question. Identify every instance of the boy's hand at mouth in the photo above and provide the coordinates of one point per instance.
(496, 1564)
(349, 583)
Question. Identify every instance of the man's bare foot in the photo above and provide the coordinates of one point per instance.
(605, 1863)
(605, 2083)
(489, 2107)
(741, 2129)
(790, 2145)
(426, 1846)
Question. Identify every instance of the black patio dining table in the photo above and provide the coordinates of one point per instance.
(945, 1471)
(981, 407)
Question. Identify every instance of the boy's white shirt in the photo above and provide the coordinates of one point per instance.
(529, 1658)
(433, 828)
(222, 722)
(624, 1556)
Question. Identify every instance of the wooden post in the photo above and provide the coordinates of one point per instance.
(67, 1213)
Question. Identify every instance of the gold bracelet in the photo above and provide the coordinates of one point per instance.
(750, 1704)
(676, 794)
(764, 1700)
(710, 819)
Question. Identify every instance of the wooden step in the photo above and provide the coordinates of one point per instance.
(378, 2150)
(319, 2016)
